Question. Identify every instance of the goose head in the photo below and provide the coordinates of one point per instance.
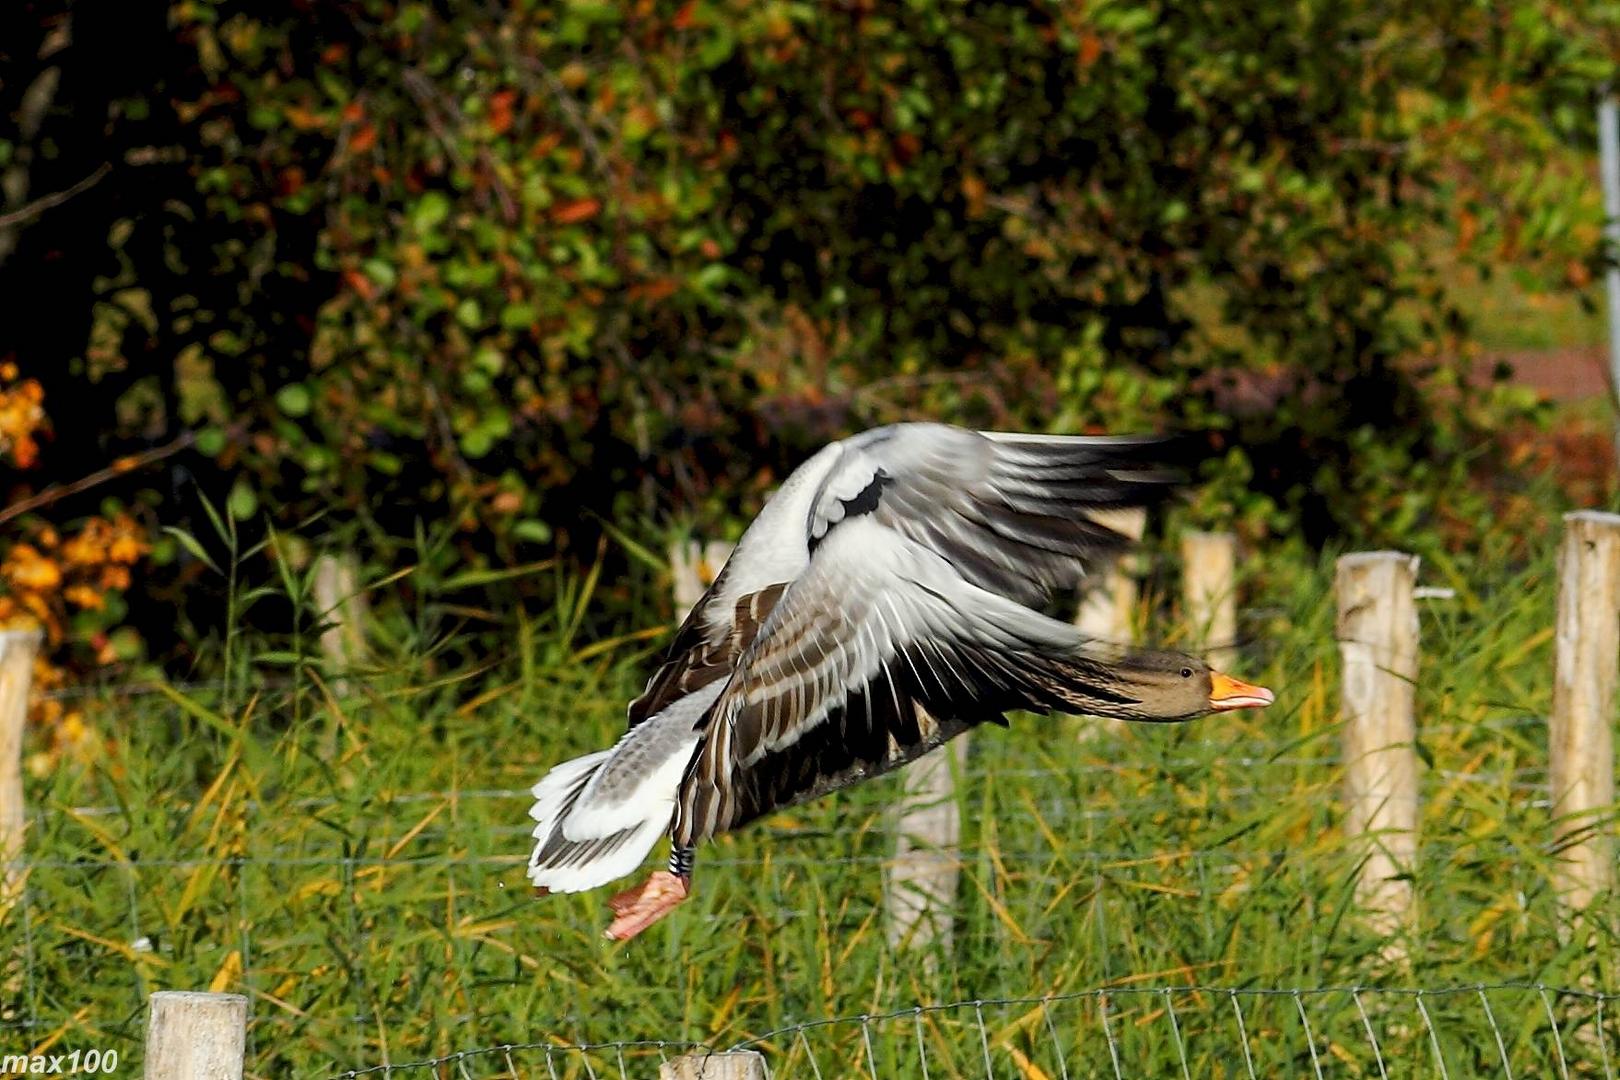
(1169, 686)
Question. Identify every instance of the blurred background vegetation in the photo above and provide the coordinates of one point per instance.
(501, 298)
(464, 287)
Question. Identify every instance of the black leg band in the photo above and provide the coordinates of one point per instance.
(680, 860)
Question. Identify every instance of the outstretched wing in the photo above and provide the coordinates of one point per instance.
(876, 654)
(909, 622)
(1015, 514)
(908, 625)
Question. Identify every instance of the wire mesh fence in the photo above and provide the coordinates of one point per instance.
(326, 911)
(378, 920)
(1505, 1030)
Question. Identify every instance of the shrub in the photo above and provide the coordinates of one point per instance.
(528, 267)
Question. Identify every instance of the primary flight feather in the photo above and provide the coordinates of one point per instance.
(880, 604)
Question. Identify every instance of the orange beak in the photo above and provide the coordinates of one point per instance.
(1226, 693)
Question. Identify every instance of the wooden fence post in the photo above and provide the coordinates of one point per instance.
(693, 566)
(342, 606)
(1209, 591)
(1108, 600)
(920, 884)
(1108, 603)
(18, 648)
(195, 1036)
(736, 1065)
(1580, 733)
(1378, 647)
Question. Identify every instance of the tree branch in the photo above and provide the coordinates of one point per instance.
(46, 202)
(101, 476)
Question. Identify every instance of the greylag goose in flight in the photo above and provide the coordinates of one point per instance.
(880, 604)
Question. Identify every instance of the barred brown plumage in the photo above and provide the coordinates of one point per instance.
(881, 604)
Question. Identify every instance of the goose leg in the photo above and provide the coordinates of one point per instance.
(636, 909)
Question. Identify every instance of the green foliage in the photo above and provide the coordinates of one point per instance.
(522, 268)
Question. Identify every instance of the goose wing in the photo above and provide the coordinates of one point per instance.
(908, 624)
(706, 648)
(873, 657)
(1020, 515)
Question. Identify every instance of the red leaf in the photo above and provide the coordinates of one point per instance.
(577, 210)
(500, 110)
(359, 283)
(1091, 47)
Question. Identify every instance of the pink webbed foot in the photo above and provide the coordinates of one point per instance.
(637, 909)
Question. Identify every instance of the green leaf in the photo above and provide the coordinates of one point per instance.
(477, 442)
(380, 271)
(517, 316)
(468, 578)
(293, 399)
(242, 502)
(210, 441)
(279, 658)
(195, 548)
(430, 211)
(532, 530)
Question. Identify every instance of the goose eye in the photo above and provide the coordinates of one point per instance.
(1186, 673)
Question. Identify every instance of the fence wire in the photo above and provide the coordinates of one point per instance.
(334, 910)
(1505, 1030)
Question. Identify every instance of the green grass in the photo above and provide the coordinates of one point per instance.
(355, 866)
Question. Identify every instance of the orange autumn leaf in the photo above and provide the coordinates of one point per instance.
(577, 210)
(654, 290)
(303, 119)
(86, 549)
(26, 568)
(500, 110)
(363, 139)
(359, 283)
(25, 451)
(126, 548)
(1091, 48)
(83, 596)
(22, 416)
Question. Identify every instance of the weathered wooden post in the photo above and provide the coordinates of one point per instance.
(920, 884)
(1209, 593)
(1580, 729)
(195, 1036)
(342, 606)
(736, 1065)
(1108, 600)
(1378, 648)
(1107, 608)
(693, 566)
(18, 649)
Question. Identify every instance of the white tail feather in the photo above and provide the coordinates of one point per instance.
(588, 832)
(599, 815)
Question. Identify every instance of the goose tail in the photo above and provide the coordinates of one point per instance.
(597, 817)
